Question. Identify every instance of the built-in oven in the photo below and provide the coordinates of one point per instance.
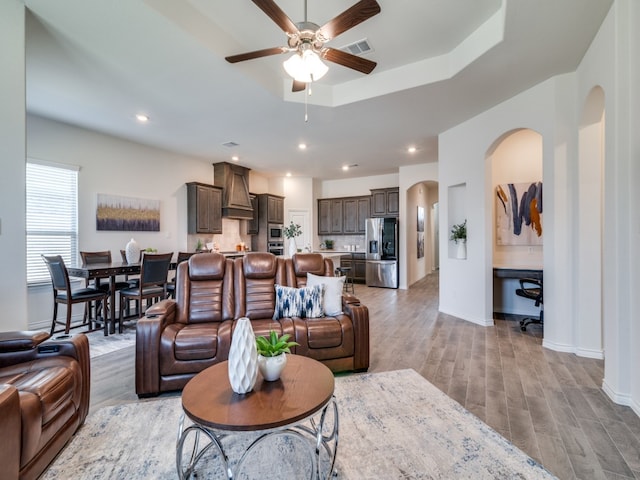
(277, 248)
(274, 233)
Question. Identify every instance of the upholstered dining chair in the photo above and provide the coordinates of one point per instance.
(154, 270)
(62, 293)
(171, 285)
(92, 258)
(531, 288)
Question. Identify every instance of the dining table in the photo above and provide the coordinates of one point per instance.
(99, 271)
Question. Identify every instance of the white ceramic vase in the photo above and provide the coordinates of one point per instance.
(271, 367)
(293, 248)
(243, 357)
(461, 253)
(132, 251)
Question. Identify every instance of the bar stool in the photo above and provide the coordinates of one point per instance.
(348, 279)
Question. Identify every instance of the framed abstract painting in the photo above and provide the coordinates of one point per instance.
(519, 214)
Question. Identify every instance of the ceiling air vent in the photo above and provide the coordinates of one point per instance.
(358, 48)
(230, 144)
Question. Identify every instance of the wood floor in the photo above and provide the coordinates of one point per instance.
(549, 404)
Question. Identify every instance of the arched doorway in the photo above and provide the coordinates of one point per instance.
(421, 230)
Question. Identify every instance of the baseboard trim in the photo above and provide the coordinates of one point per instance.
(620, 398)
(483, 322)
(567, 348)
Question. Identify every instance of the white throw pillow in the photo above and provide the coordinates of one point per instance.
(332, 292)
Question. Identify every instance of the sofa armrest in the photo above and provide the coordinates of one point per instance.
(11, 428)
(75, 346)
(19, 341)
(349, 300)
(359, 315)
(148, 332)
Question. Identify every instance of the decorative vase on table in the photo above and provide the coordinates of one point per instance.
(271, 367)
(293, 248)
(462, 249)
(243, 357)
(132, 251)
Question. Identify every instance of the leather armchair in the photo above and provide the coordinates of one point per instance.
(180, 337)
(44, 398)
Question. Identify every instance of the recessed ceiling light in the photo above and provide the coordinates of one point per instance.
(411, 149)
(288, 174)
(142, 118)
(345, 167)
(302, 146)
(235, 158)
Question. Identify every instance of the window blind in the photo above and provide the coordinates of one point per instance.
(52, 217)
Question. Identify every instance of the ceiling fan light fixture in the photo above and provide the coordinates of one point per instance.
(305, 67)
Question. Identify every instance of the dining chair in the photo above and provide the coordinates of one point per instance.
(154, 269)
(63, 293)
(133, 281)
(171, 285)
(92, 258)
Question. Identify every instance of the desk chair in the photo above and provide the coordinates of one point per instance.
(532, 289)
(62, 293)
(154, 269)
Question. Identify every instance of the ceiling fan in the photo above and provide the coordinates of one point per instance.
(307, 41)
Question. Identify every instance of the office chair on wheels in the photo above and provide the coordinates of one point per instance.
(531, 288)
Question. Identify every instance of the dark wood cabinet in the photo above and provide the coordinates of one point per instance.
(234, 181)
(275, 209)
(324, 217)
(336, 216)
(253, 225)
(343, 216)
(204, 208)
(385, 202)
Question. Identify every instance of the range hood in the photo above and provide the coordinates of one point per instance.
(234, 180)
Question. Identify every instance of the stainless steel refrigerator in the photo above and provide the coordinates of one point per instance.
(382, 252)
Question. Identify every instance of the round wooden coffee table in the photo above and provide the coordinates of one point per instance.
(286, 407)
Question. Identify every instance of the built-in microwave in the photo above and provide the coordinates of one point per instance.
(274, 232)
(277, 248)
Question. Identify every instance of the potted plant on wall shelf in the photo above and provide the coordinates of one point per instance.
(459, 236)
(271, 354)
(291, 232)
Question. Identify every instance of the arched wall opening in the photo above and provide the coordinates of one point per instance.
(514, 165)
(421, 230)
(588, 323)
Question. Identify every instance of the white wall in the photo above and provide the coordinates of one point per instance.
(553, 109)
(119, 167)
(13, 285)
(350, 187)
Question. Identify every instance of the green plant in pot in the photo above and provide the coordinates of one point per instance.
(459, 232)
(271, 354)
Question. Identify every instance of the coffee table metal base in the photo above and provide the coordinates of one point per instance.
(320, 438)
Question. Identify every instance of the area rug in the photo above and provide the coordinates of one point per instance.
(101, 345)
(393, 425)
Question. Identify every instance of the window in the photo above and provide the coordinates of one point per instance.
(52, 216)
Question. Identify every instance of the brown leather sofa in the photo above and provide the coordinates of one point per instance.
(44, 398)
(179, 338)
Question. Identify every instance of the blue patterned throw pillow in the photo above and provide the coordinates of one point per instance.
(304, 302)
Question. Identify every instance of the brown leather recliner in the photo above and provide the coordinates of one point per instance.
(340, 342)
(179, 338)
(44, 398)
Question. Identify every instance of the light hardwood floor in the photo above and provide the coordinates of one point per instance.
(547, 403)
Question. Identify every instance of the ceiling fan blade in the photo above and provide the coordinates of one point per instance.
(347, 60)
(298, 86)
(361, 11)
(274, 12)
(256, 54)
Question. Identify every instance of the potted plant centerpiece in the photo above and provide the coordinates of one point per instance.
(291, 232)
(459, 236)
(271, 354)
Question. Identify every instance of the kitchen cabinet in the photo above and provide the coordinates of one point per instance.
(253, 225)
(385, 202)
(358, 265)
(343, 216)
(275, 209)
(204, 208)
